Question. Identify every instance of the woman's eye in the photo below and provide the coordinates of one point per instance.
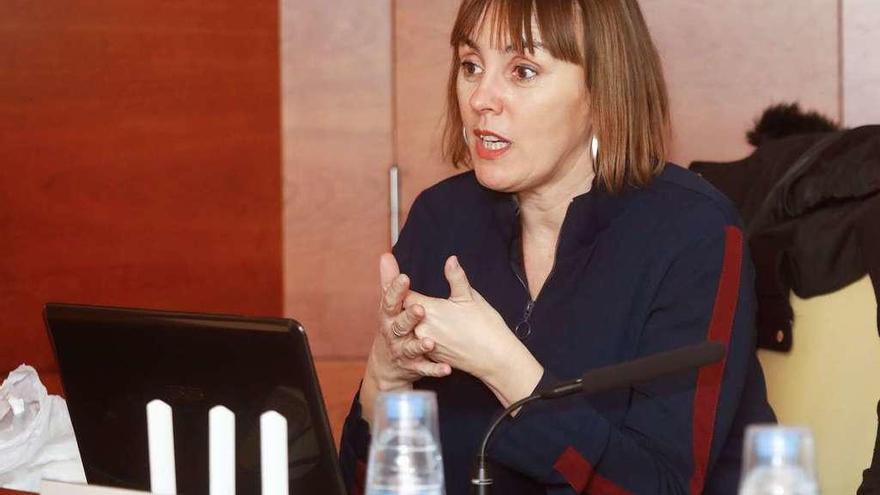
(470, 68)
(524, 72)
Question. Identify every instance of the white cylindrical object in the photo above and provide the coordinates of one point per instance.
(160, 438)
(394, 203)
(273, 453)
(221, 451)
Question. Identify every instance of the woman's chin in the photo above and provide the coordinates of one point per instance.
(494, 176)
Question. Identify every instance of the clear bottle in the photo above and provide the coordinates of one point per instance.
(778, 460)
(405, 456)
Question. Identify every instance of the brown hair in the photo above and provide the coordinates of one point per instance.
(624, 77)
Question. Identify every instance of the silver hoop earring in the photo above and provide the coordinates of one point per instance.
(464, 134)
(594, 148)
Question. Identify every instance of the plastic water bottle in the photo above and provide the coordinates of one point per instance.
(405, 456)
(778, 460)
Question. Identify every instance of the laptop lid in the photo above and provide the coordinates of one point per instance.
(113, 361)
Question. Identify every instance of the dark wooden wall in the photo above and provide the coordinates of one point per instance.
(139, 160)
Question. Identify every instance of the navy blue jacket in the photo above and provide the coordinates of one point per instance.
(643, 271)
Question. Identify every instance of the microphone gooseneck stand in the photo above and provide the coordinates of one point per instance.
(598, 380)
(481, 482)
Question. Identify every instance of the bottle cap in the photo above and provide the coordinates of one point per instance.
(778, 445)
(404, 406)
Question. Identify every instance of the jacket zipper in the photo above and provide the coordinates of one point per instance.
(523, 329)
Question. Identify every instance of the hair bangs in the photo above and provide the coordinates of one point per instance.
(515, 24)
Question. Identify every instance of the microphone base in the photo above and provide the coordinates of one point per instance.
(481, 482)
(481, 488)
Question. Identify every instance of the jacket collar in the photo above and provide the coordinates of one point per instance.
(588, 215)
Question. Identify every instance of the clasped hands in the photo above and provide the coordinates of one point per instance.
(421, 336)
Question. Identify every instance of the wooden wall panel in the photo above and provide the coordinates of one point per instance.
(140, 160)
(423, 55)
(861, 62)
(339, 382)
(726, 61)
(336, 79)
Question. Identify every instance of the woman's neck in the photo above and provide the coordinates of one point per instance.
(542, 210)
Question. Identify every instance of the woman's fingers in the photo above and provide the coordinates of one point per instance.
(412, 297)
(414, 348)
(425, 367)
(406, 321)
(388, 270)
(406, 352)
(459, 286)
(392, 300)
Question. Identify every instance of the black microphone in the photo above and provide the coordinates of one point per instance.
(598, 380)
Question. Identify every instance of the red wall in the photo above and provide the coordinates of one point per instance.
(139, 160)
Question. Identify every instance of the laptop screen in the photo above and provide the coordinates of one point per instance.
(114, 361)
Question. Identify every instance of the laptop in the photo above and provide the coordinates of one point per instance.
(113, 361)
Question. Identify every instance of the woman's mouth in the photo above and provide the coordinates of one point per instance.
(490, 145)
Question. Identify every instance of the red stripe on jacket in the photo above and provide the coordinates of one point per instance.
(709, 378)
(579, 474)
(360, 479)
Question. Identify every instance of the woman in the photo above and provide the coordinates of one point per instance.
(570, 245)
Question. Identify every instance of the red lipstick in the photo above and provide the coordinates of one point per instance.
(490, 145)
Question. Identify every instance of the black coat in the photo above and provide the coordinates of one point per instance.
(811, 206)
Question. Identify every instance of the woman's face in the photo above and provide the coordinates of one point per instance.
(526, 116)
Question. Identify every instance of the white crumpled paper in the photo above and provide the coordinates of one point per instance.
(36, 437)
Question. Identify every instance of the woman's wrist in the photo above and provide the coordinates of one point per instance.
(383, 383)
(515, 375)
(373, 384)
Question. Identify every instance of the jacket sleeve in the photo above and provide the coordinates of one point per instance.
(674, 427)
(354, 445)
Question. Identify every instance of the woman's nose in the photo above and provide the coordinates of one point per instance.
(487, 97)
